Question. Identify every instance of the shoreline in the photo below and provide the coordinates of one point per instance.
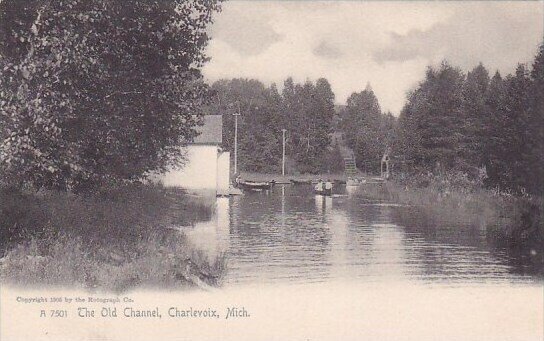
(285, 179)
(509, 221)
(111, 240)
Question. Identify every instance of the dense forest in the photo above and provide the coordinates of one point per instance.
(306, 111)
(318, 132)
(489, 128)
(483, 126)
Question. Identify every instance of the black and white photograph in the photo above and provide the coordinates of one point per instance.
(271, 170)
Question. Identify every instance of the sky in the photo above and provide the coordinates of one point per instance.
(353, 43)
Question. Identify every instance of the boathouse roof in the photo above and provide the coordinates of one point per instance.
(211, 132)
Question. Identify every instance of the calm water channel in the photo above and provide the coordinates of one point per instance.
(292, 236)
(321, 269)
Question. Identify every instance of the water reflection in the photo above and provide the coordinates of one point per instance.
(292, 235)
(323, 205)
(213, 236)
(339, 235)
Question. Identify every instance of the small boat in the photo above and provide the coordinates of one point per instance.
(256, 186)
(301, 182)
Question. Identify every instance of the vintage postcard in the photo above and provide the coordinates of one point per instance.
(271, 170)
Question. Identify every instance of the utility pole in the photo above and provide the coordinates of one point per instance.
(236, 139)
(283, 154)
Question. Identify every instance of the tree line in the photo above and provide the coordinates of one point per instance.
(488, 127)
(319, 134)
(306, 112)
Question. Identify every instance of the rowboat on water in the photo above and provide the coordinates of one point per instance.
(323, 188)
(256, 185)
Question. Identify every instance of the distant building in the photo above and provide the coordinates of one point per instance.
(207, 167)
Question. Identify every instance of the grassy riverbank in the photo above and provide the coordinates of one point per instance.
(114, 239)
(512, 221)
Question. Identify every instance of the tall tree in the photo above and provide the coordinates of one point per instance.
(432, 120)
(474, 117)
(317, 115)
(536, 128)
(95, 90)
(511, 151)
(408, 145)
(493, 150)
(388, 129)
(308, 111)
(362, 123)
(291, 107)
(259, 124)
(261, 138)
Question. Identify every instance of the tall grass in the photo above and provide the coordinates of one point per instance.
(114, 239)
(513, 221)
